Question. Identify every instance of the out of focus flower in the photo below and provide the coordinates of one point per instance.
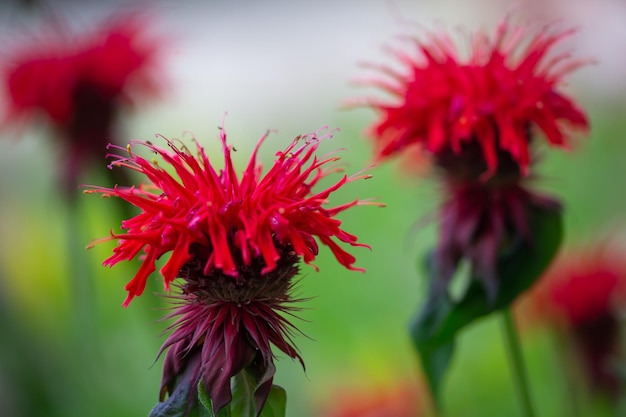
(582, 296)
(477, 118)
(237, 243)
(376, 400)
(79, 83)
(491, 100)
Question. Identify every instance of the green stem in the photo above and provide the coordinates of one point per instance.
(516, 362)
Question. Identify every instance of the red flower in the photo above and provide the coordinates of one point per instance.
(582, 295)
(492, 98)
(584, 287)
(236, 242)
(476, 117)
(80, 82)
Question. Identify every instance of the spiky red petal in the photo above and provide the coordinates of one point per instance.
(200, 205)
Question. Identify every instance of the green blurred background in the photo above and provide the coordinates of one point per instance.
(69, 349)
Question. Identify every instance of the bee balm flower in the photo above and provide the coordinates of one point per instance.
(484, 105)
(477, 118)
(582, 297)
(80, 83)
(236, 242)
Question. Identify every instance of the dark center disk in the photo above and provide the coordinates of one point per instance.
(250, 285)
(468, 164)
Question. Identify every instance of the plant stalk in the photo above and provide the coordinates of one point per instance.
(516, 363)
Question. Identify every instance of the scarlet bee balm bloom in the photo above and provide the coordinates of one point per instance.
(476, 118)
(222, 213)
(582, 295)
(507, 85)
(236, 244)
(80, 84)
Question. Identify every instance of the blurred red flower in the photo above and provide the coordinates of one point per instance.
(582, 296)
(236, 242)
(476, 118)
(508, 84)
(80, 82)
(585, 286)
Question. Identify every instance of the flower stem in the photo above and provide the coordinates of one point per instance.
(516, 363)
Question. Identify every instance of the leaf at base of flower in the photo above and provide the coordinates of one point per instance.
(276, 403)
(434, 330)
(207, 404)
(243, 403)
(204, 399)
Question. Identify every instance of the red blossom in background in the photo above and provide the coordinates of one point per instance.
(584, 288)
(80, 82)
(236, 242)
(476, 118)
(506, 85)
(583, 295)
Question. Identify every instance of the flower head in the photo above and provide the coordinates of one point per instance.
(490, 100)
(252, 217)
(476, 116)
(236, 242)
(583, 288)
(78, 83)
(582, 295)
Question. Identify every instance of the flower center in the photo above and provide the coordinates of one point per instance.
(251, 285)
(469, 165)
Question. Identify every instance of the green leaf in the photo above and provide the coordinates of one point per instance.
(204, 399)
(434, 349)
(206, 405)
(276, 403)
(243, 388)
(436, 325)
(243, 403)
